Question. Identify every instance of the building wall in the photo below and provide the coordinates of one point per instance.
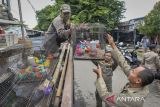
(127, 29)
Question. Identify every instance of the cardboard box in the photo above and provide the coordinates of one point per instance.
(27, 43)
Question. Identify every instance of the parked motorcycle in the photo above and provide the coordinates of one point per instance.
(131, 57)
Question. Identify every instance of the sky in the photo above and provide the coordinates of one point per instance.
(137, 8)
(134, 9)
(29, 16)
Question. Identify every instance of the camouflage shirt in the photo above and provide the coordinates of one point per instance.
(56, 35)
(151, 60)
(129, 97)
(108, 68)
(59, 27)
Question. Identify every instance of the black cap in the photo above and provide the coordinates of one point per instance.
(147, 76)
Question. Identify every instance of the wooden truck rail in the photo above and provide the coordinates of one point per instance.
(61, 81)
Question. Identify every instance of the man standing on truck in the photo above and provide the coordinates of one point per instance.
(59, 30)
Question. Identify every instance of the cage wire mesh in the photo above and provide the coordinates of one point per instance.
(15, 92)
(88, 33)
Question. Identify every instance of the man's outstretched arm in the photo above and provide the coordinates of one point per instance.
(117, 55)
(110, 97)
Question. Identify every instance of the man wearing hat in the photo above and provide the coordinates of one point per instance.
(59, 30)
(108, 66)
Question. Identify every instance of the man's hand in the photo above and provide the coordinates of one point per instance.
(68, 32)
(71, 26)
(98, 71)
(111, 41)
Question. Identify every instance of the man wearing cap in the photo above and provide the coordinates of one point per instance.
(59, 30)
(108, 66)
(134, 92)
(151, 59)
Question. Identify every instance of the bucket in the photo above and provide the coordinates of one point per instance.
(31, 61)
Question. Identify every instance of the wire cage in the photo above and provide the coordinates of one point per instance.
(18, 87)
(31, 94)
(7, 40)
(18, 90)
(88, 41)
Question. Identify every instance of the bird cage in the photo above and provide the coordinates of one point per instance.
(88, 41)
(7, 40)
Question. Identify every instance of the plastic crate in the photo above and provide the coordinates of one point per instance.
(26, 42)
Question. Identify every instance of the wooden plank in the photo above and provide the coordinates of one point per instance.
(45, 102)
(60, 86)
(12, 50)
(56, 73)
(67, 98)
(3, 21)
(87, 58)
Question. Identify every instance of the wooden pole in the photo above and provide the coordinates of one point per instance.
(52, 83)
(21, 19)
(67, 98)
(8, 5)
(60, 86)
(56, 73)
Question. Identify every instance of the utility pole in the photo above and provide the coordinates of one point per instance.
(21, 19)
(135, 36)
(8, 5)
(24, 56)
(3, 2)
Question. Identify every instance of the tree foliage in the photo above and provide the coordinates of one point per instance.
(151, 25)
(108, 12)
(45, 17)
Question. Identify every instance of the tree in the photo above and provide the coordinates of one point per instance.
(151, 25)
(45, 17)
(107, 12)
